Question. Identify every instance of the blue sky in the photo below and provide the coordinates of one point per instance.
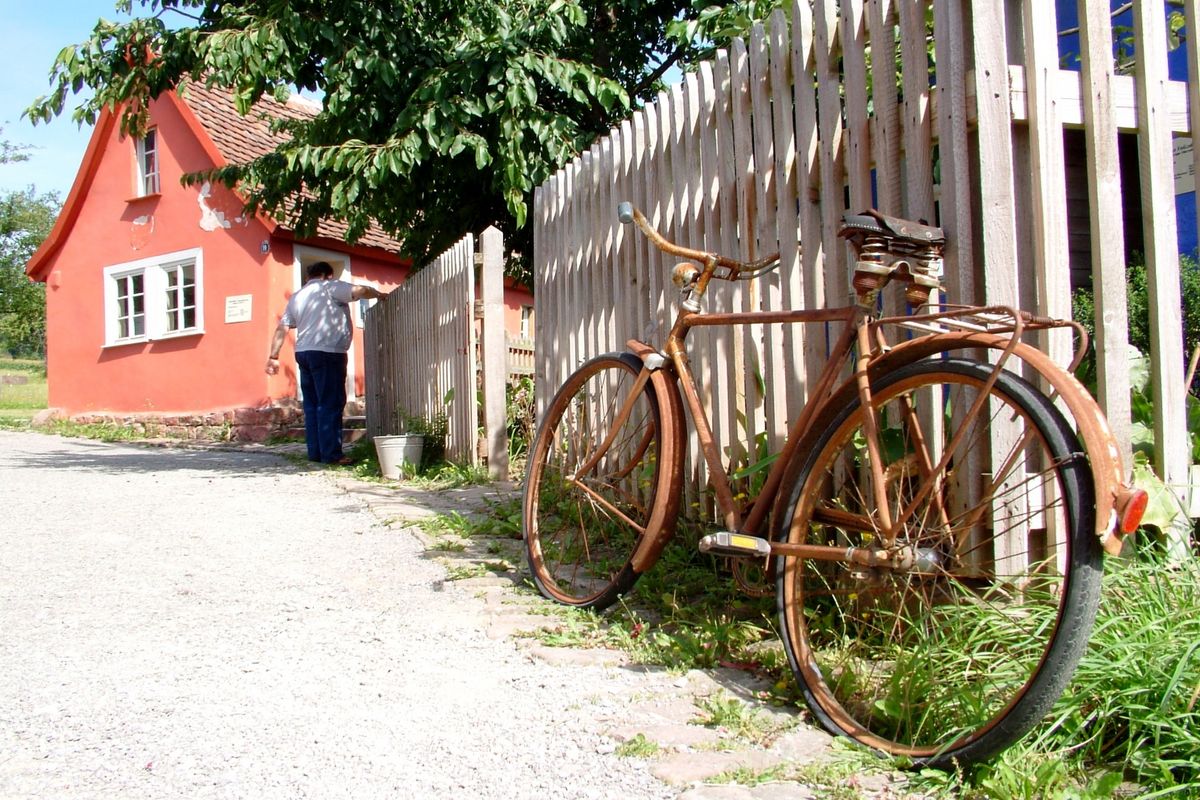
(34, 32)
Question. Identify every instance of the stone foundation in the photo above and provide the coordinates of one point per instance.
(233, 425)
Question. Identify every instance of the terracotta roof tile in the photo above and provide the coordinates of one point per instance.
(240, 139)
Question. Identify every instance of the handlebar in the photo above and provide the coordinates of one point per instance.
(743, 270)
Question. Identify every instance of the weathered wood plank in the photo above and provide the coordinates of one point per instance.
(809, 267)
(1171, 451)
(1067, 88)
(1105, 222)
(1048, 206)
(791, 366)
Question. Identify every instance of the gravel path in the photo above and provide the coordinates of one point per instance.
(183, 623)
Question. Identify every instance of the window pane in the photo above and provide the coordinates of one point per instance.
(129, 306)
(180, 297)
(148, 162)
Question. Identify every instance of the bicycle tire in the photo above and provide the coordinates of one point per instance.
(952, 659)
(577, 545)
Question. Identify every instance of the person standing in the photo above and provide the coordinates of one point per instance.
(320, 313)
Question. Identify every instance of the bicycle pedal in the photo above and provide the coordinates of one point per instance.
(736, 545)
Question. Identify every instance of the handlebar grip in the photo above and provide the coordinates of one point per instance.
(625, 212)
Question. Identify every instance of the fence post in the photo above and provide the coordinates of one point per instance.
(495, 353)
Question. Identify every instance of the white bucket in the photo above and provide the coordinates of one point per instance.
(399, 456)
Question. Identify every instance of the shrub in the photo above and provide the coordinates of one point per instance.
(1083, 309)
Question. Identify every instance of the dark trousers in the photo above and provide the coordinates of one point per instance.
(323, 385)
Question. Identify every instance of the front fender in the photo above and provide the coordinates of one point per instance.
(661, 526)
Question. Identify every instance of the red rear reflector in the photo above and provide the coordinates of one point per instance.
(1135, 507)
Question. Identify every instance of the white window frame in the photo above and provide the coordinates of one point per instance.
(526, 328)
(121, 284)
(148, 181)
(175, 297)
(155, 288)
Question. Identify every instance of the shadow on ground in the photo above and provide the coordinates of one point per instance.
(157, 457)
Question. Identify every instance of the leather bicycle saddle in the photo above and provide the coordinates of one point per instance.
(872, 221)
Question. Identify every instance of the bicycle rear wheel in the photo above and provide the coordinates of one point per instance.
(593, 480)
(962, 641)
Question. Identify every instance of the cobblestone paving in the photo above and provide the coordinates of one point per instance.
(689, 756)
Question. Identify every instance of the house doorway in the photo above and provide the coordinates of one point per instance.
(302, 257)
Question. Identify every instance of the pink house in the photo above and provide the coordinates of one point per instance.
(161, 298)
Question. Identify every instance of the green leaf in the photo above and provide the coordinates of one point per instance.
(1139, 370)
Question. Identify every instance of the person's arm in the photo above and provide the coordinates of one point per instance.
(363, 292)
(276, 342)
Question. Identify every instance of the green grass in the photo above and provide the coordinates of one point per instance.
(436, 476)
(22, 401)
(1132, 710)
(739, 720)
(101, 431)
(464, 572)
(638, 747)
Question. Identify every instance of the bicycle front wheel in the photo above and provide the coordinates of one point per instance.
(593, 480)
(961, 623)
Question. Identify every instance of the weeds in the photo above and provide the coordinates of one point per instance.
(501, 518)
(448, 475)
(451, 522)
(1132, 709)
(747, 776)
(101, 431)
(638, 747)
(576, 628)
(730, 714)
(839, 777)
(462, 572)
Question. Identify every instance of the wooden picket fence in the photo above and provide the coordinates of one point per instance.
(835, 108)
(426, 356)
(420, 350)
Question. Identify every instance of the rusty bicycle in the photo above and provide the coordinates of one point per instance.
(935, 520)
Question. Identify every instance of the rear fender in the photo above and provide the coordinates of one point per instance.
(1112, 492)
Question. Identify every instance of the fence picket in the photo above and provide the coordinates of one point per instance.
(1171, 452)
(885, 135)
(787, 278)
(1048, 190)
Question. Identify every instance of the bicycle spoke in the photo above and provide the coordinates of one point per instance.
(592, 483)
